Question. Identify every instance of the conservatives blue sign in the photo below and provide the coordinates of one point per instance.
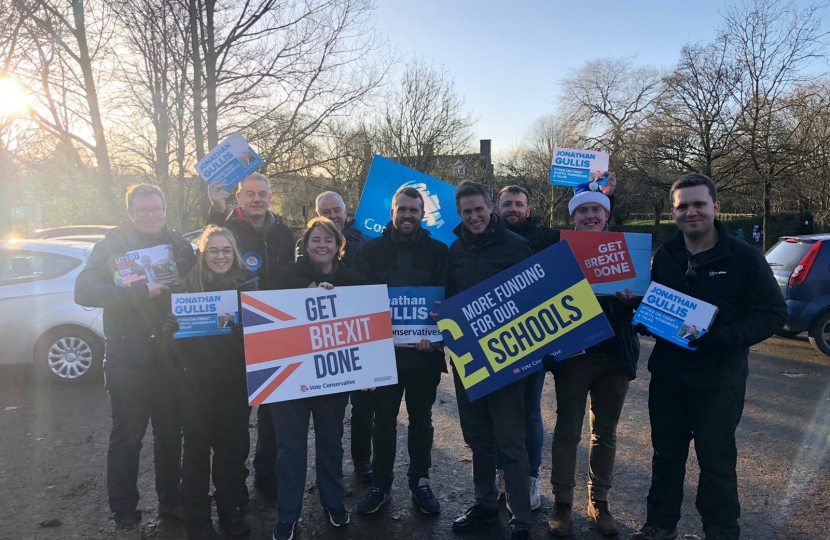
(385, 178)
(498, 331)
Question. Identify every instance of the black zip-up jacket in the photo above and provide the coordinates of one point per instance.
(130, 315)
(474, 258)
(538, 235)
(417, 262)
(735, 277)
(264, 251)
(216, 360)
(354, 243)
(301, 274)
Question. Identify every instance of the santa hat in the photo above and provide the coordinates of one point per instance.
(588, 193)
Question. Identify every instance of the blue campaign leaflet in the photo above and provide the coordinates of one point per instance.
(410, 307)
(674, 316)
(205, 314)
(385, 178)
(229, 163)
(498, 331)
(571, 166)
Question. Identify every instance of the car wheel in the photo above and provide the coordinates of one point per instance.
(820, 333)
(789, 334)
(70, 354)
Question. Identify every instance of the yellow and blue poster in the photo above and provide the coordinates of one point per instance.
(385, 178)
(498, 331)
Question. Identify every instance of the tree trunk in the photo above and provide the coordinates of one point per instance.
(767, 211)
(198, 129)
(101, 152)
(658, 211)
(211, 75)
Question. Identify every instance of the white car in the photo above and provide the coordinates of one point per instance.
(41, 322)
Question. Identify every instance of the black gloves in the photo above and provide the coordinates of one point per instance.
(171, 324)
(238, 332)
(707, 343)
(640, 328)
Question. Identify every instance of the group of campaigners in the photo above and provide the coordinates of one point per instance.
(197, 386)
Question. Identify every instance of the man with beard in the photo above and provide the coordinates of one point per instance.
(330, 204)
(406, 256)
(513, 206)
(266, 244)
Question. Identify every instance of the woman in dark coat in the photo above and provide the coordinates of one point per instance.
(215, 407)
(322, 246)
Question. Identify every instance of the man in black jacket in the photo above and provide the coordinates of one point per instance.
(267, 245)
(699, 394)
(330, 204)
(141, 377)
(406, 256)
(483, 249)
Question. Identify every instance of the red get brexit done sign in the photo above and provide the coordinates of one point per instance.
(309, 342)
(612, 261)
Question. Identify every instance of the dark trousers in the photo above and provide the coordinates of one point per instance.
(497, 418)
(419, 389)
(363, 415)
(534, 428)
(291, 421)
(265, 456)
(679, 414)
(601, 377)
(214, 418)
(141, 390)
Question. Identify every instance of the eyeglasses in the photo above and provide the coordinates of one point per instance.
(144, 212)
(691, 274)
(213, 252)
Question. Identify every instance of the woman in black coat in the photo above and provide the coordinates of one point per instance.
(322, 246)
(215, 407)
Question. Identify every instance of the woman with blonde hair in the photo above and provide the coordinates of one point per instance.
(215, 407)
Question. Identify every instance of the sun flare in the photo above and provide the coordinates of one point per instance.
(13, 99)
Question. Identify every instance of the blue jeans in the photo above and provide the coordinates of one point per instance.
(534, 430)
(142, 388)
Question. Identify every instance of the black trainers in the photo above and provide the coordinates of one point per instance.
(475, 517)
(650, 532)
(284, 531)
(373, 500)
(425, 499)
(364, 471)
(235, 526)
(338, 516)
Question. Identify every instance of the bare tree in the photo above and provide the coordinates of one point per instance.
(421, 118)
(773, 44)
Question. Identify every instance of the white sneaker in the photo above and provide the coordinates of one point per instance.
(535, 496)
(500, 486)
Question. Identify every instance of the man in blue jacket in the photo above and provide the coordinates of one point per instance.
(141, 377)
(699, 394)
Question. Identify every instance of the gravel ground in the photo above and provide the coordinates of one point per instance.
(54, 442)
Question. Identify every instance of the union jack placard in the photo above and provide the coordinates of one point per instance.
(309, 342)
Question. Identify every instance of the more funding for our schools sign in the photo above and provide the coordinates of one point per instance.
(674, 316)
(410, 307)
(310, 342)
(571, 166)
(612, 261)
(229, 163)
(498, 331)
(385, 178)
(205, 314)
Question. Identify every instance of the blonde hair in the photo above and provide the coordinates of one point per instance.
(202, 274)
(329, 227)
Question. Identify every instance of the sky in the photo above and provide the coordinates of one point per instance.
(508, 56)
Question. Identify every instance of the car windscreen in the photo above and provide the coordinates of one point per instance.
(786, 255)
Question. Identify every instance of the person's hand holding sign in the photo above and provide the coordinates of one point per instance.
(326, 285)
(424, 345)
(432, 313)
(218, 198)
(611, 185)
(155, 289)
(627, 298)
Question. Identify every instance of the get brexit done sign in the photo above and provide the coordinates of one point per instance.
(311, 342)
(498, 331)
(571, 167)
(385, 178)
(612, 261)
